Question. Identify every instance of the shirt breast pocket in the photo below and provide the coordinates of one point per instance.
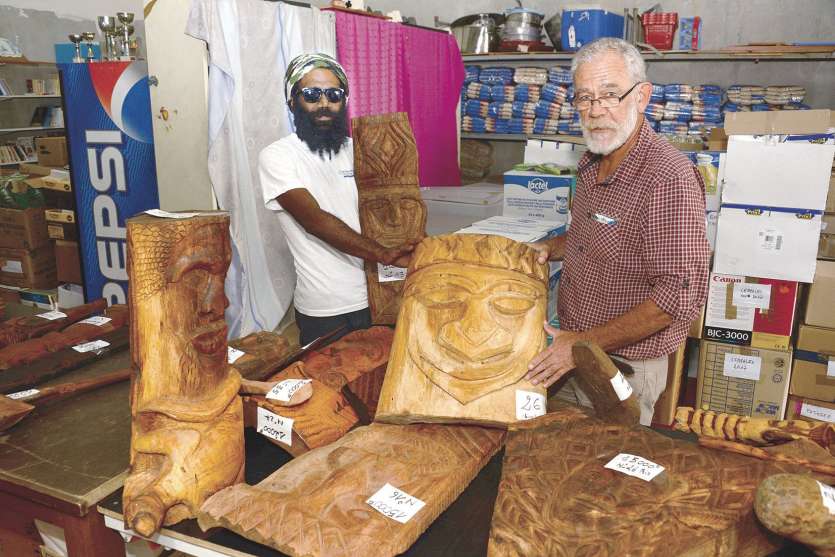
(604, 242)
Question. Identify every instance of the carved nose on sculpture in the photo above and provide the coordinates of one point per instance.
(394, 214)
(214, 299)
(476, 335)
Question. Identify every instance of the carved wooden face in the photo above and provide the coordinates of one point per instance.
(473, 328)
(392, 215)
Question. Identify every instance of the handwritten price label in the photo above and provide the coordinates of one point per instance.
(389, 273)
(91, 346)
(753, 295)
(233, 354)
(97, 320)
(621, 386)
(529, 405)
(828, 497)
(830, 367)
(284, 390)
(742, 366)
(395, 504)
(23, 394)
(275, 427)
(52, 315)
(817, 412)
(635, 466)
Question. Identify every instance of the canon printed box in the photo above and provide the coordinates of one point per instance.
(537, 196)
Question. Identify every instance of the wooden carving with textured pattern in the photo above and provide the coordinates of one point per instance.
(322, 419)
(556, 498)
(391, 209)
(263, 351)
(186, 415)
(21, 328)
(316, 504)
(471, 320)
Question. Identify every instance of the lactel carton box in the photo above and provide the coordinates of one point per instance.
(537, 196)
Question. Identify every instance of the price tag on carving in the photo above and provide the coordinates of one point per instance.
(284, 390)
(621, 386)
(233, 354)
(23, 394)
(754, 295)
(742, 366)
(52, 315)
(275, 427)
(97, 320)
(529, 405)
(828, 497)
(830, 367)
(635, 466)
(167, 215)
(91, 346)
(389, 273)
(817, 412)
(395, 504)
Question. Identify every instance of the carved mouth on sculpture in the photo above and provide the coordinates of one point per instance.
(210, 339)
(468, 344)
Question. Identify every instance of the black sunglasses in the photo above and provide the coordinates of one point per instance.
(313, 94)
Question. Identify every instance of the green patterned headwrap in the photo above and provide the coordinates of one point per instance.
(303, 63)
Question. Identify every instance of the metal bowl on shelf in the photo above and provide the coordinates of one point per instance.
(477, 33)
(553, 28)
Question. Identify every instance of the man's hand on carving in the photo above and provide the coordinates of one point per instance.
(399, 256)
(543, 251)
(551, 364)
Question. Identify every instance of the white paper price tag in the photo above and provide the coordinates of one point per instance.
(635, 466)
(275, 427)
(389, 273)
(12, 267)
(742, 366)
(830, 367)
(52, 315)
(817, 412)
(91, 346)
(395, 504)
(621, 386)
(753, 295)
(233, 354)
(167, 215)
(529, 405)
(827, 497)
(23, 394)
(97, 320)
(284, 390)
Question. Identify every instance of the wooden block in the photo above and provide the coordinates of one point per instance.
(391, 209)
(264, 352)
(21, 328)
(357, 362)
(316, 504)
(471, 321)
(556, 497)
(323, 419)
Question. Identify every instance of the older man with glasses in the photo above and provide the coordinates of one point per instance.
(636, 255)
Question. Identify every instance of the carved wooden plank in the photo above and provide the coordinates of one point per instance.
(263, 351)
(357, 362)
(391, 209)
(187, 417)
(556, 497)
(470, 322)
(323, 419)
(21, 328)
(316, 504)
(33, 349)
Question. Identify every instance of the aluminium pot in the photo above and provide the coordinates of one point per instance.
(477, 33)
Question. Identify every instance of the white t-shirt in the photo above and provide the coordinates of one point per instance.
(329, 282)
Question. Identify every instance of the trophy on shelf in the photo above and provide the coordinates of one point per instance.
(89, 37)
(107, 25)
(125, 18)
(76, 39)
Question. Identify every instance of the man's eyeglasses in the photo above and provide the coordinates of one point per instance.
(313, 94)
(608, 100)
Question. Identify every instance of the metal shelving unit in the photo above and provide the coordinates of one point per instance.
(31, 129)
(522, 137)
(535, 57)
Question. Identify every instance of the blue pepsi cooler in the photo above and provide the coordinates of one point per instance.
(583, 24)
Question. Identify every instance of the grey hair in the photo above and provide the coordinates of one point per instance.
(635, 64)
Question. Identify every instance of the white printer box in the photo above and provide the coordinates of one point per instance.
(536, 195)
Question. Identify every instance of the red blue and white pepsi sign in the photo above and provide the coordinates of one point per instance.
(111, 143)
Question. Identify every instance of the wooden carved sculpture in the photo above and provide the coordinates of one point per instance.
(595, 371)
(264, 353)
(557, 498)
(792, 506)
(391, 209)
(21, 328)
(187, 419)
(321, 420)
(33, 349)
(316, 504)
(471, 321)
(357, 362)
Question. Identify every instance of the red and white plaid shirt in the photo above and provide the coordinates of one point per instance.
(638, 235)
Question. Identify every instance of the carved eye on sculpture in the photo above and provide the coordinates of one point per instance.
(512, 304)
(196, 278)
(448, 297)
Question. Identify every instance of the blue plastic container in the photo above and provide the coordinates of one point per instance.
(581, 25)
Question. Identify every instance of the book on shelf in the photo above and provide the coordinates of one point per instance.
(11, 153)
(5, 90)
(48, 117)
(49, 86)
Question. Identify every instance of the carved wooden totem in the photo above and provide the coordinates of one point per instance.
(316, 504)
(471, 321)
(187, 420)
(557, 498)
(391, 209)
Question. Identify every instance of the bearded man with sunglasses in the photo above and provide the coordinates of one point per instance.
(636, 255)
(307, 178)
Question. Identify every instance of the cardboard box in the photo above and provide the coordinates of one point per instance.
(519, 229)
(28, 268)
(23, 228)
(775, 244)
(711, 227)
(665, 406)
(70, 295)
(826, 245)
(813, 374)
(830, 196)
(717, 140)
(718, 390)
(819, 312)
(34, 169)
(810, 410)
(52, 151)
(60, 224)
(779, 122)
(56, 194)
(39, 298)
(750, 311)
(711, 165)
(68, 259)
(537, 196)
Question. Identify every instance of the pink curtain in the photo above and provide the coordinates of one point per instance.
(398, 68)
